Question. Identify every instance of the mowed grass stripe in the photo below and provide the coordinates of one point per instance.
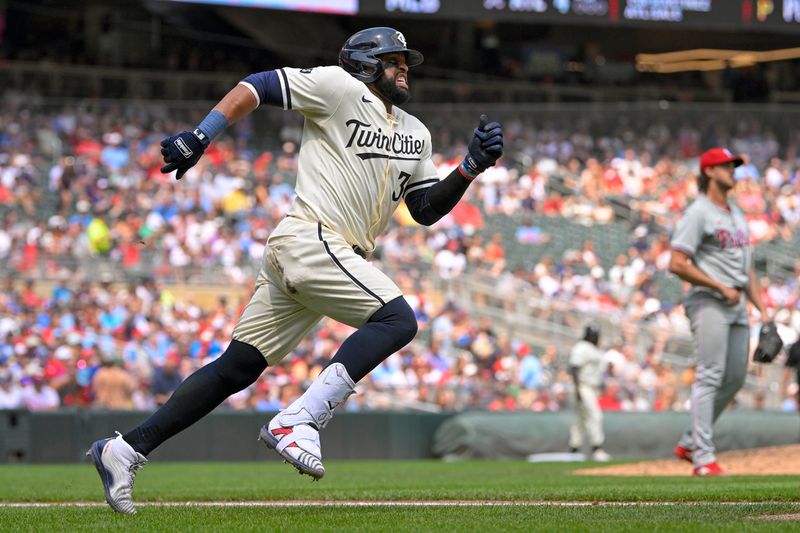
(700, 517)
(385, 481)
(495, 496)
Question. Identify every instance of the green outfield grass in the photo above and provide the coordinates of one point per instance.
(699, 504)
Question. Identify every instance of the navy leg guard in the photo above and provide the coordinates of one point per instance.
(389, 329)
(198, 395)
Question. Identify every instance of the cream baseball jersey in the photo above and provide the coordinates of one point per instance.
(356, 161)
(589, 360)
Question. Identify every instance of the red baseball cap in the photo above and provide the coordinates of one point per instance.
(718, 156)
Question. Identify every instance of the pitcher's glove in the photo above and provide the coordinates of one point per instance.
(769, 343)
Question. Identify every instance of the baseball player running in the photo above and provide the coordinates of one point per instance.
(586, 368)
(360, 156)
(711, 250)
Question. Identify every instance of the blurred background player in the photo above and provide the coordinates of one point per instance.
(360, 156)
(711, 250)
(586, 369)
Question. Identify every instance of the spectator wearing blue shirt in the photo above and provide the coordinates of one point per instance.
(166, 379)
(530, 368)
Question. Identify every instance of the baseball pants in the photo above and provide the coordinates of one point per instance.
(722, 339)
(588, 419)
(307, 272)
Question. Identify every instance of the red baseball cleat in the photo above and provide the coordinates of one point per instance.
(711, 469)
(684, 454)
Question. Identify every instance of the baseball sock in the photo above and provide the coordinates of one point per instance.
(198, 395)
(389, 329)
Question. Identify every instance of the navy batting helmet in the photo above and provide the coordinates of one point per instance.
(592, 333)
(359, 53)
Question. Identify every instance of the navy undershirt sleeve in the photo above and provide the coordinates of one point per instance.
(267, 86)
(428, 205)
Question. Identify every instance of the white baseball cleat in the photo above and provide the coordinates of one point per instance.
(294, 432)
(117, 463)
(297, 443)
(600, 455)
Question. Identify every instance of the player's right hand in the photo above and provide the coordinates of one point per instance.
(182, 151)
(730, 294)
(485, 147)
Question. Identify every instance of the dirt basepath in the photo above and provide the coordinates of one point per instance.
(774, 460)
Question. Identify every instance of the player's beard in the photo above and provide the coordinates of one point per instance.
(389, 89)
(724, 186)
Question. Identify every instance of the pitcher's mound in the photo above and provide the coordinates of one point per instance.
(774, 460)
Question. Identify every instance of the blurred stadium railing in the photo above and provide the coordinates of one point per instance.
(62, 80)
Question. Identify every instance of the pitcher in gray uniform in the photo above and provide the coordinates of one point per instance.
(711, 250)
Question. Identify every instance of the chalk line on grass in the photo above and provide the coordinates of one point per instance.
(389, 503)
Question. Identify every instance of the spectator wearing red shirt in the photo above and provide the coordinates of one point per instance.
(609, 400)
(553, 205)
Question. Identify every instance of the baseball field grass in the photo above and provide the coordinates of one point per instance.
(394, 496)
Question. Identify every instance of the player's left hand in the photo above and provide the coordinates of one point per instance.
(485, 147)
(181, 152)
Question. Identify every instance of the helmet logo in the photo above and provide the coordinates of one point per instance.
(401, 38)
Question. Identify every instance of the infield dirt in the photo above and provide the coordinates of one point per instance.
(773, 460)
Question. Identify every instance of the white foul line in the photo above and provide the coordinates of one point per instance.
(392, 503)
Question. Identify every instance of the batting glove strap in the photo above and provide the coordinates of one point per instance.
(202, 137)
(469, 168)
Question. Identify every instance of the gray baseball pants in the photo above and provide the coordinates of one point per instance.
(722, 339)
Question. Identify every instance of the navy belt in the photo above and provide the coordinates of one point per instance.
(356, 249)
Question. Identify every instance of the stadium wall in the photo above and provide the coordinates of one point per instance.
(484, 435)
(64, 436)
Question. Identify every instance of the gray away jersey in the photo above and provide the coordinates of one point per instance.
(356, 162)
(717, 241)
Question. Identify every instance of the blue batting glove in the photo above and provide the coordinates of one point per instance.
(485, 147)
(182, 151)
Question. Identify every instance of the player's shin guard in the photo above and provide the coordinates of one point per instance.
(294, 432)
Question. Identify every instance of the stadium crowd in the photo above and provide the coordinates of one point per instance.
(128, 347)
(80, 186)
